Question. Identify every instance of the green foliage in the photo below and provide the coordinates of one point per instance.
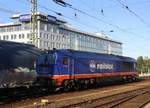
(140, 62)
(143, 64)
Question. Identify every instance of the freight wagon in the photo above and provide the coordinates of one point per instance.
(17, 64)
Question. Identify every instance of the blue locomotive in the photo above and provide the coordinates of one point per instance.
(69, 68)
(60, 68)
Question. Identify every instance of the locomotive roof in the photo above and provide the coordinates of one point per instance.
(9, 47)
(15, 54)
(4, 43)
(84, 54)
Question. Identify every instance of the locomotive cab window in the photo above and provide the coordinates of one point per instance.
(46, 59)
(127, 66)
(65, 61)
(51, 58)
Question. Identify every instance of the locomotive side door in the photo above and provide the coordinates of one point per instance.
(68, 64)
(71, 68)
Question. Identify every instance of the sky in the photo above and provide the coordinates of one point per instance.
(131, 26)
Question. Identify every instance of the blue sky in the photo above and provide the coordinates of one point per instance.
(135, 38)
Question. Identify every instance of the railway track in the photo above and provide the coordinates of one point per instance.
(122, 100)
(7, 96)
(13, 95)
(124, 97)
(112, 96)
(125, 100)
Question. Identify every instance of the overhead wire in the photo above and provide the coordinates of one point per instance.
(133, 3)
(121, 29)
(98, 19)
(116, 26)
(60, 14)
(133, 13)
(48, 9)
(103, 21)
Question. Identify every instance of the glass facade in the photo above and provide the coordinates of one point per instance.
(85, 42)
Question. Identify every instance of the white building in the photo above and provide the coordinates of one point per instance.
(55, 33)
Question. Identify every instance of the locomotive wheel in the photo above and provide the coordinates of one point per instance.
(87, 84)
(92, 83)
(77, 85)
(67, 85)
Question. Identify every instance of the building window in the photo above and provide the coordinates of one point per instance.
(7, 37)
(44, 35)
(53, 37)
(22, 35)
(12, 37)
(15, 36)
(17, 28)
(50, 36)
(40, 35)
(45, 27)
(45, 43)
(4, 37)
(49, 28)
(41, 43)
(55, 29)
(28, 35)
(19, 36)
(47, 36)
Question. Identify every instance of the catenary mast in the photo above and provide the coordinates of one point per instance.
(33, 22)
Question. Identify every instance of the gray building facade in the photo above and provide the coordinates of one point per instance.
(56, 33)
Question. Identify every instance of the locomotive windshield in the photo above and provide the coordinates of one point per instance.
(46, 59)
(128, 66)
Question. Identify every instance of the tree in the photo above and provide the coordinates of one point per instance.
(143, 64)
(140, 64)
